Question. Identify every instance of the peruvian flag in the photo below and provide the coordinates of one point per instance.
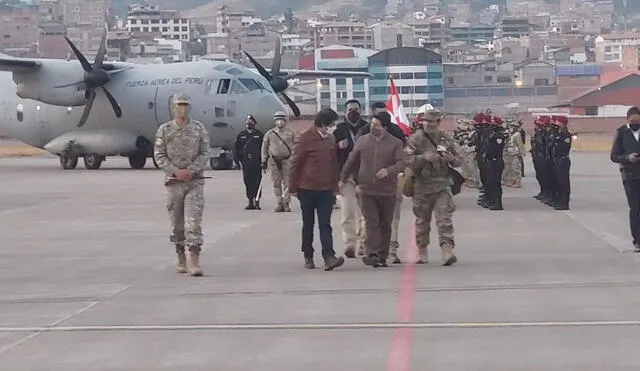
(396, 110)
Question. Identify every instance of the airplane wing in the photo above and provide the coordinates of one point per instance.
(322, 73)
(8, 63)
(13, 64)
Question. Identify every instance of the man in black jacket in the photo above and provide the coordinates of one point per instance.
(346, 134)
(393, 129)
(248, 151)
(626, 152)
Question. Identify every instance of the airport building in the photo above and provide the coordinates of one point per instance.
(417, 73)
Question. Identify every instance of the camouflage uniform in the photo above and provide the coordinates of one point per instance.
(469, 166)
(276, 150)
(513, 152)
(432, 192)
(187, 148)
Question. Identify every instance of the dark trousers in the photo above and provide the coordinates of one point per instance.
(563, 182)
(632, 190)
(320, 202)
(550, 179)
(378, 216)
(252, 174)
(495, 168)
(538, 166)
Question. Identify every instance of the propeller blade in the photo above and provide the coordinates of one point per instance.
(102, 50)
(113, 72)
(87, 108)
(292, 104)
(83, 61)
(67, 85)
(114, 103)
(258, 66)
(277, 58)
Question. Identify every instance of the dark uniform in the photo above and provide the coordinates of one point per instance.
(479, 140)
(494, 159)
(523, 135)
(551, 187)
(248, 152)
(562, 164)
(538, 154)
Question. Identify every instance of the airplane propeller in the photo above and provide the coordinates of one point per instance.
(94, 77)
(278, 84)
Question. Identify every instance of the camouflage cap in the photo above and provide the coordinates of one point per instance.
(181, 99)
(432, 115)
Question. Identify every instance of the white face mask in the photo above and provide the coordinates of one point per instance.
(280, 123)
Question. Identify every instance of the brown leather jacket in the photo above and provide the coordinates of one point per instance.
(314, 163)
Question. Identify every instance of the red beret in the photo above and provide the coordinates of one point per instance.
(544, 120)
(478, 118)
(562, 119)
(495, 120)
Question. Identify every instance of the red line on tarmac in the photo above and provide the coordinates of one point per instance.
(400, 354)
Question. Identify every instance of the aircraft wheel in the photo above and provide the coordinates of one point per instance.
(68, 163)
(93, 161)
(221, 162)
(138, 161)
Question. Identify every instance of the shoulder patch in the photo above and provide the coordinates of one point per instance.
(499, 140)
(567, 139)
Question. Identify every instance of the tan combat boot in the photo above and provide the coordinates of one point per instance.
(447, 256)
(279, 208)
(181, 265)
(194, 264)
(286, 208)
(423, 257)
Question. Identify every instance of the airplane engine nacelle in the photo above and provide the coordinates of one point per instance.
(66, 97)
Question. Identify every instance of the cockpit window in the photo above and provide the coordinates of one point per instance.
(223, 86)
(237, 88)
(251, 84)
(234, 71)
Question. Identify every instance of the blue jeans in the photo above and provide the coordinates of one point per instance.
(320, 202)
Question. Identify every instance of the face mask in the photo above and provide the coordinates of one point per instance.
(181, 111)
(251, 125)
(280, 123)
(634, 126)
(353, 116)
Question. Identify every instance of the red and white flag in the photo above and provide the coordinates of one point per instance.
(396, 110)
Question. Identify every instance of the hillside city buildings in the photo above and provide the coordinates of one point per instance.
(525, 54)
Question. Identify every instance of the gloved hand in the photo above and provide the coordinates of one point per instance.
(264, 165)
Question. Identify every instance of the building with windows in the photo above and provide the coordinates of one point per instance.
(146, 18)
(417, 73)
(622, 49)
(336, 91)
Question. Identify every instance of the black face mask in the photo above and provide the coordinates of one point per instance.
(353, 116)
(634, 126)
(251, 126)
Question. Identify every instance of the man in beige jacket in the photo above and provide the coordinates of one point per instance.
(375, 162)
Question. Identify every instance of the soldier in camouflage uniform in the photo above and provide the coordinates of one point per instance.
(276, 150)
(513, 152)
(182, 151)
(463, 137)
(432, 185)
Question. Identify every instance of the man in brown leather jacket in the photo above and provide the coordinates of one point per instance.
(313, 178)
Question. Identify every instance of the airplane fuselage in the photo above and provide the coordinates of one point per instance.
(220, 100)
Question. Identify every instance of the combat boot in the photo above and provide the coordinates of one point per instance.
(250, 206)
(194, 263)
(394, 258)
(181, 265)
(279, 208)
(286, 207)
(257, 205)
(422, 256)
(448, 258)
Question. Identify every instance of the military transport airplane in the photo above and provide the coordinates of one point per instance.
(125, 103)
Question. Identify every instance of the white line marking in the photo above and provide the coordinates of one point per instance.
(320, 326)
(610, 239)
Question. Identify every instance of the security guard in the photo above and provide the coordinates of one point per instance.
(248, 148)
(276, 151)
(496, 141)
(562, 163)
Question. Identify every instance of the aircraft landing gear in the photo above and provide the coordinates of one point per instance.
(222, 162)
(93, 161)
(137, 161)
(68, 162)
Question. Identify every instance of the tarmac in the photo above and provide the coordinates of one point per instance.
(87, 282)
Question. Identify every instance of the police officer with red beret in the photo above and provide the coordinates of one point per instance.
(561, 162)
(494, 163)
